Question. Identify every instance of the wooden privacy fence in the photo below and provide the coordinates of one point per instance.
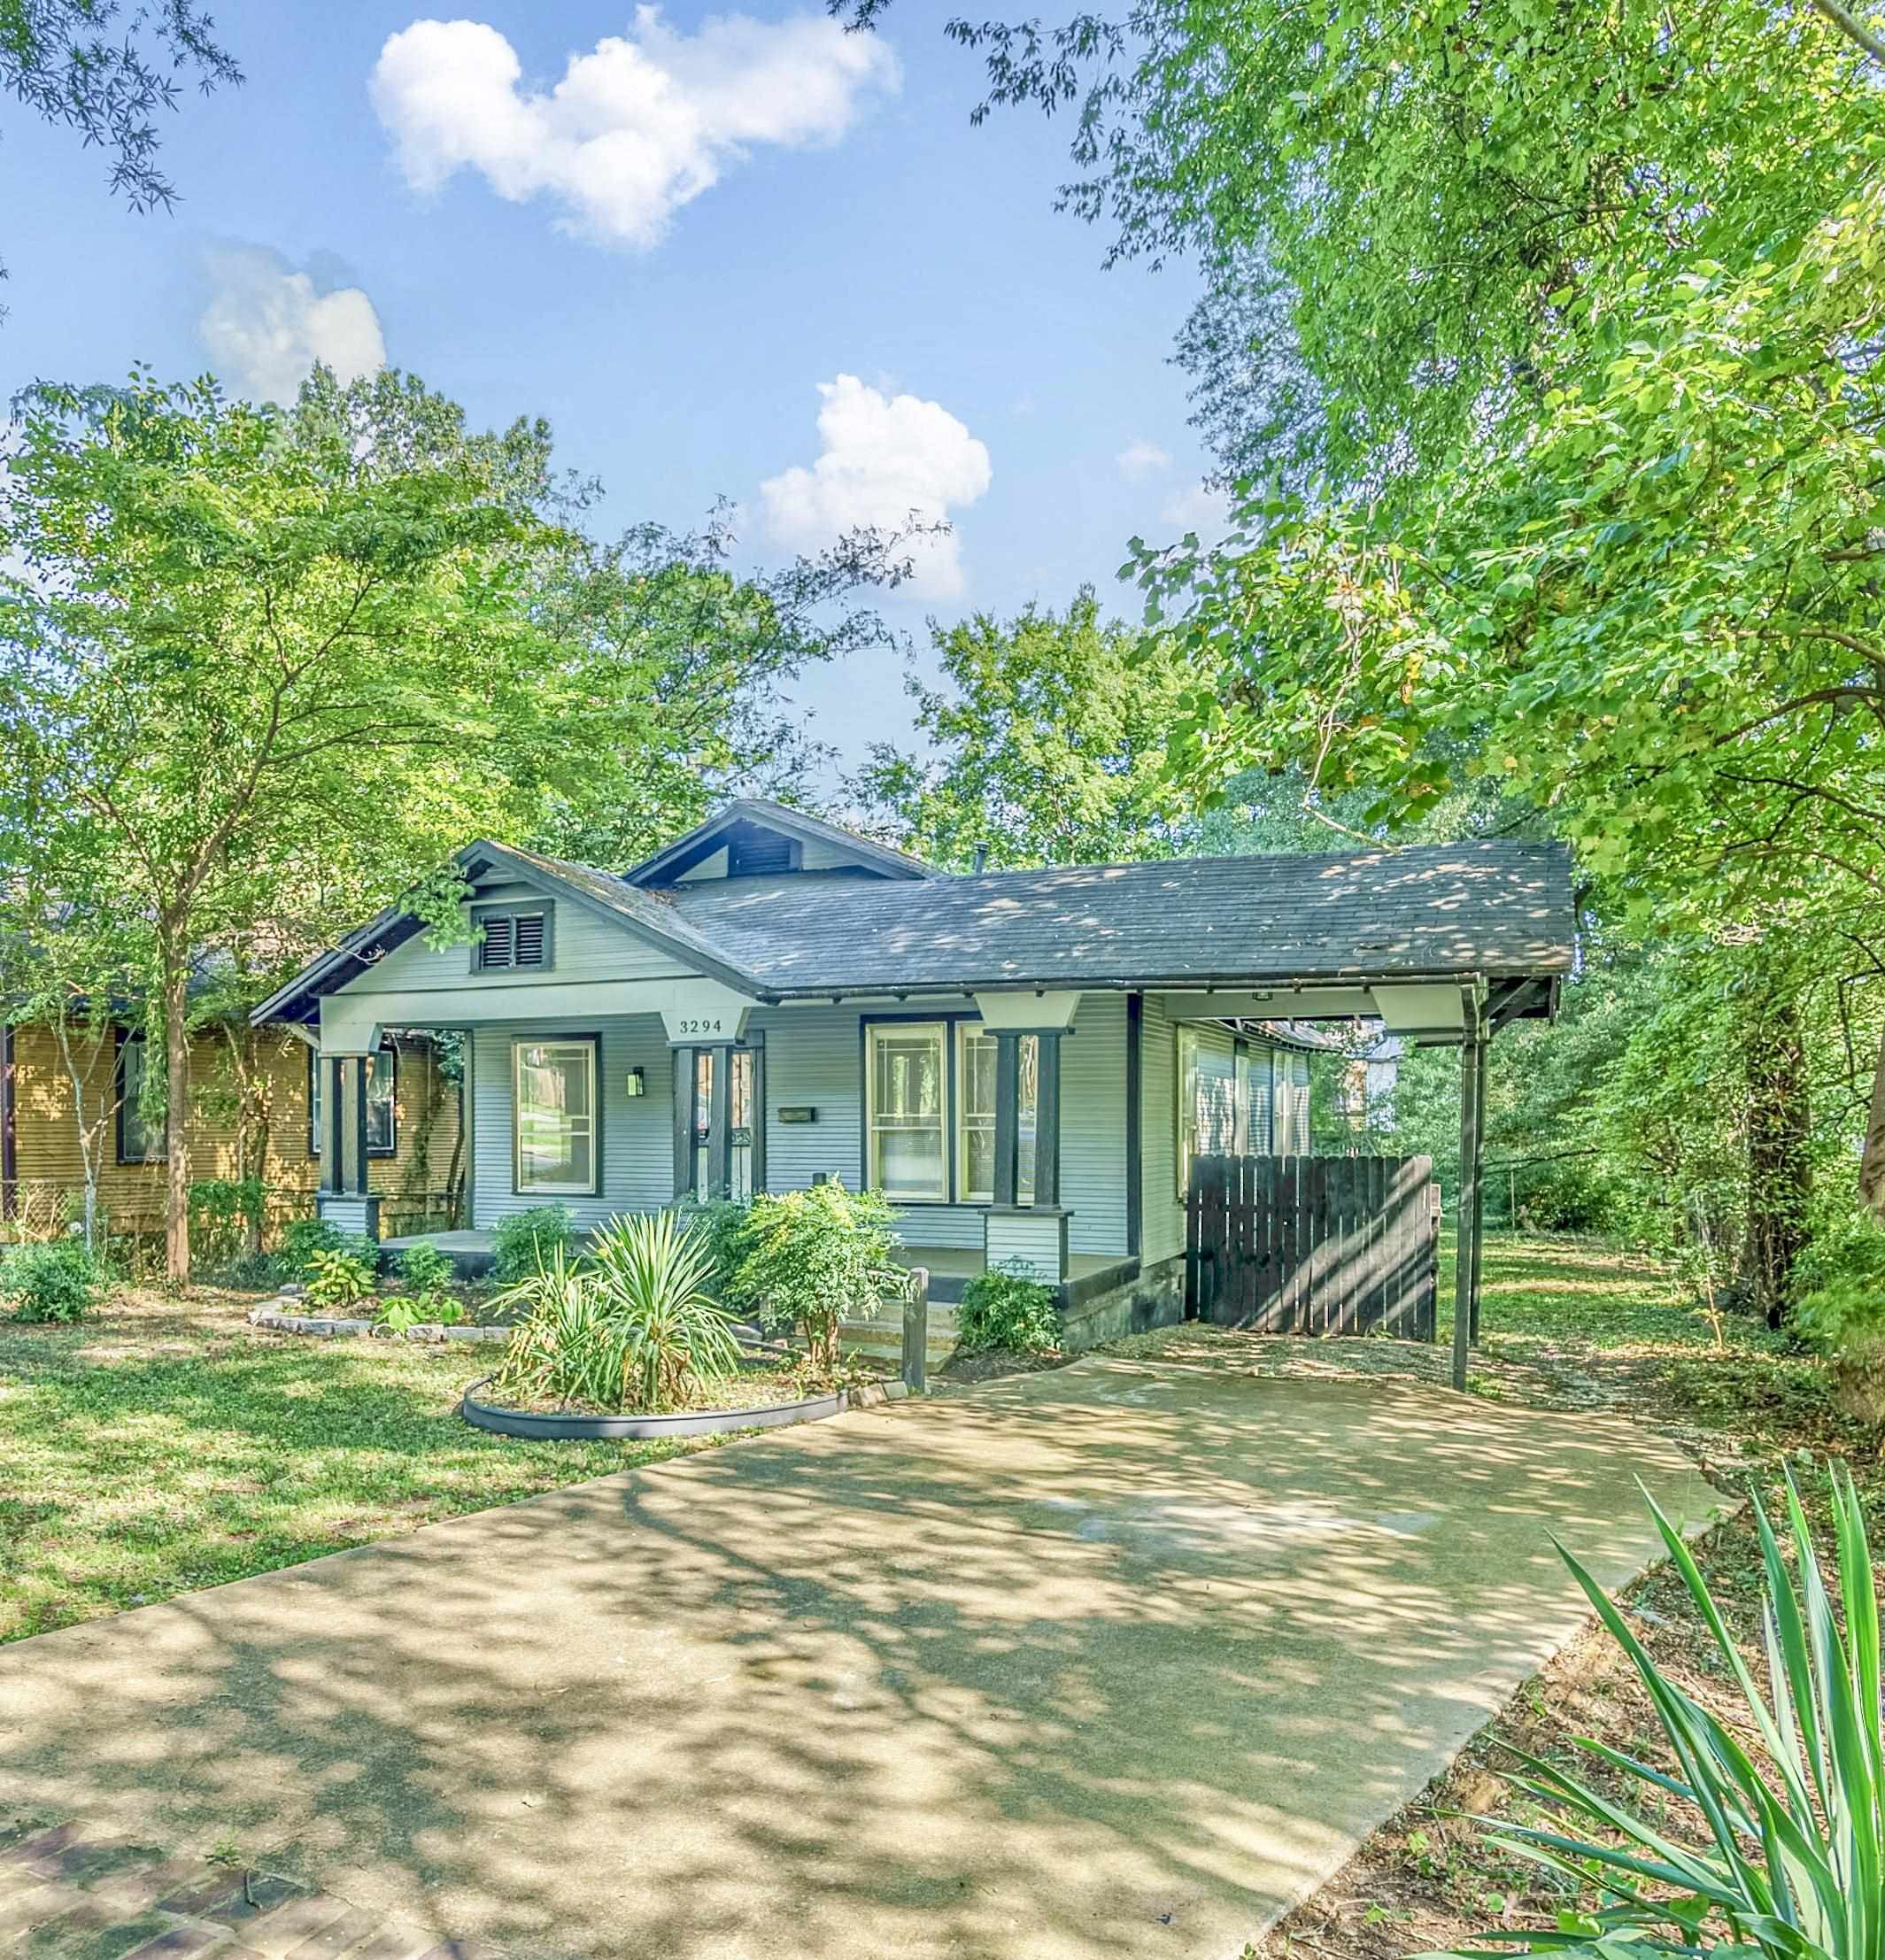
(1313, 1245)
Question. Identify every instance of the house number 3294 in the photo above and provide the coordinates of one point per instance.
(708, 1025)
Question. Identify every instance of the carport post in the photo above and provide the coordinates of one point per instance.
(1466, 1239)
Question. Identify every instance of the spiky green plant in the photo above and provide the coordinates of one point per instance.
(1791, 1864)
(652, 1273)
(634, 1327)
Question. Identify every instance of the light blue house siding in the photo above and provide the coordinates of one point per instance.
(813, 1060)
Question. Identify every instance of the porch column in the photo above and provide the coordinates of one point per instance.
(333, 1169)
(362, 1064)
(1046, 1121)
(1008, 1115)
(1466, 1244)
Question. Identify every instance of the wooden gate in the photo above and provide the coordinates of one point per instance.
(1313, 1245)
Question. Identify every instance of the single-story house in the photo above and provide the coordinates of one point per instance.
(1025, 1063)
(411, 1116)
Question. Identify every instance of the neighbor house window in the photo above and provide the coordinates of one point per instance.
(138, 1142)
(908, 1072)
(975, 1078)
(382, 1104)
(512, 936)
(554, 1092)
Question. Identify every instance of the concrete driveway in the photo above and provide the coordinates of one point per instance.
(1114, 1660)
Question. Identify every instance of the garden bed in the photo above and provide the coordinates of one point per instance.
(739, 1411)
(280, 1317)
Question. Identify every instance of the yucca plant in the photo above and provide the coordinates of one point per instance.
(652, 1274)
(1790, 1864)
(560, 1351)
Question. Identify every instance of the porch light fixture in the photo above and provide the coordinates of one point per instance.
(638, 1083)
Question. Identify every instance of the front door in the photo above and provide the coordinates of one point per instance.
(743, 1117)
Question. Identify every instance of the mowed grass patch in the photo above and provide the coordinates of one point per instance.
(166, 1444)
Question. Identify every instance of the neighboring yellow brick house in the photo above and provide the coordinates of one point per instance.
(412, 1128)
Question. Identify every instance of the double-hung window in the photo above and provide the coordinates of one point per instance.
(908, 1066)
(554, 1090)
(975, 1077)
(382, 1104)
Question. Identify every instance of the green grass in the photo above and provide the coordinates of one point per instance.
(165, 1446)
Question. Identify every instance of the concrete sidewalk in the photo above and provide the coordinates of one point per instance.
(1114, 1660)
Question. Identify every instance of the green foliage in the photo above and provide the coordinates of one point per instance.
(1047, 745)
(223, 1213)
(1792, 1862)
(425, 1270)
(636, 1329)
(718, 1222)
(254, 1272)
(405, 1311)
(810, 1259)
(1004, 1307)
(339, 1279)
(57, 1283)
(652, 1274)
(303, 1237)
(524, 1240)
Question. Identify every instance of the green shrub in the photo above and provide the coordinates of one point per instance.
(635, 1328)
(339, 1279)
(525, 1240)
(250, 1272)
(305, 1237)
(1795, 1825)
(224, 1214)
(811, 1259)
(426, 1272)
(1004, 1307)
(424, 1310)
(719, 1223)
(58, 1283)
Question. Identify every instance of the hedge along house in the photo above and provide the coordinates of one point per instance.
(1024, 1063)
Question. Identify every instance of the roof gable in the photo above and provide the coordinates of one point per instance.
(756, 837)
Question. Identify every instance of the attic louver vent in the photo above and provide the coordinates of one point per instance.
(512, 939)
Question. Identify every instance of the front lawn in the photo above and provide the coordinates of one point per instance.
(166, 1444)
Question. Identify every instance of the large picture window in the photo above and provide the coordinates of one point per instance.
(975, 1077)
(382, 1104)
(555, 1101)
(909, 1124)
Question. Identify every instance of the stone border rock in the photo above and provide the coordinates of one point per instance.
(536, 1427)
(278, 1317)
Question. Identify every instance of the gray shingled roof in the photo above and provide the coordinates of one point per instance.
(1495, 908)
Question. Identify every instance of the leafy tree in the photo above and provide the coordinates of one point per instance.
(253, 686)
(1048, 745)
(56, 57)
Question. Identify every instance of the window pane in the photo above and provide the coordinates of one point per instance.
(555, 1117)
(977, 1170)
(908, 1083)
(380, 1102)
(142, 1143)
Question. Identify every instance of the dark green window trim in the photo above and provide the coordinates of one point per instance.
(598, 1094)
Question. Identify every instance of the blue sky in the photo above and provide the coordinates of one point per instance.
(708, 226)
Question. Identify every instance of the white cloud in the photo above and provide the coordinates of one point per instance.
(1198, 508)
(1141, 459)
(883, 459)
(266, 324)
(638, 127)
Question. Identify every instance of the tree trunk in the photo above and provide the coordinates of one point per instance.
(176, 1100)
(1779, 1155)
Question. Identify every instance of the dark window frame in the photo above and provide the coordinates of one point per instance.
(512, 911)
(596, 1193)
(385, 1150)
(157, 1150)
